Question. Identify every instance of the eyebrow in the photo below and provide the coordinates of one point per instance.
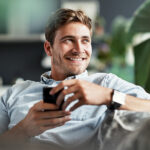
(67, 37)
(72, 37)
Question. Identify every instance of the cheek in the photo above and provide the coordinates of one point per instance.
(58, 54)
(89, 50)
(66, 47)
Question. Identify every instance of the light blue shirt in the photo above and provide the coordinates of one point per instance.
(84, 129)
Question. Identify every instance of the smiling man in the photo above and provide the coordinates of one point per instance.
(87, 98)
(71, 50)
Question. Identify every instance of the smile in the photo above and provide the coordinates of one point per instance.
(75, 59)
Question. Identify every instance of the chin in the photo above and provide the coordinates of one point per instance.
(75, 72)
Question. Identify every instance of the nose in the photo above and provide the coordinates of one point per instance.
(78, 47)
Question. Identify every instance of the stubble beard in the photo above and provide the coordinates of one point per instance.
(68, 70)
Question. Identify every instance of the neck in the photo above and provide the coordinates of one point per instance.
(57, 77)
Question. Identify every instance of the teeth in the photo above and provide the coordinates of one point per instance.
(76, 59)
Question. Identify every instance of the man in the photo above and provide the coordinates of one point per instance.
(87, 99)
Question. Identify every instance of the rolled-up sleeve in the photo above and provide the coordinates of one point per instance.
(114, 82)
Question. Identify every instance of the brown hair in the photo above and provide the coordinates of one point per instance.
(62, 17)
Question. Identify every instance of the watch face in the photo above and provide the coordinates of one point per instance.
(119, 97)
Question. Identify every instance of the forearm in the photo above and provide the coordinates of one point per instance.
(127, 102)
(136, 104)
(16, 133)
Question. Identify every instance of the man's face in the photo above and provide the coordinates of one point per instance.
(71, 51)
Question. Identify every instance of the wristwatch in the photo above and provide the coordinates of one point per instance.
(118, 99)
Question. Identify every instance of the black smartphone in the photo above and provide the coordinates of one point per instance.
(47, 98)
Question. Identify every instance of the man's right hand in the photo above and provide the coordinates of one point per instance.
(38, 120)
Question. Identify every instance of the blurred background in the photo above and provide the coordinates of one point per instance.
(22, 24)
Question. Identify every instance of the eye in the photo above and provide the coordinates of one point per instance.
(86, 41)
(68, 40)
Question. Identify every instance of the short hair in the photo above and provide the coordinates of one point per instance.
(64, 16)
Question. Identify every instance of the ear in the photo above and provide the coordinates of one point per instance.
(48, 48)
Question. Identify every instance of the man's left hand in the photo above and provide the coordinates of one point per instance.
(86, 92)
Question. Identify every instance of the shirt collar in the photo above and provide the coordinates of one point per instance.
(45, 77)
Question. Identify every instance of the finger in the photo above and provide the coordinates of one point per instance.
(44, 128)
(76, 106)
(71, 99)
(62, 85)
(51, 127)
(61, 96)
(41, 106)
(52, 114)
(54, 121)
